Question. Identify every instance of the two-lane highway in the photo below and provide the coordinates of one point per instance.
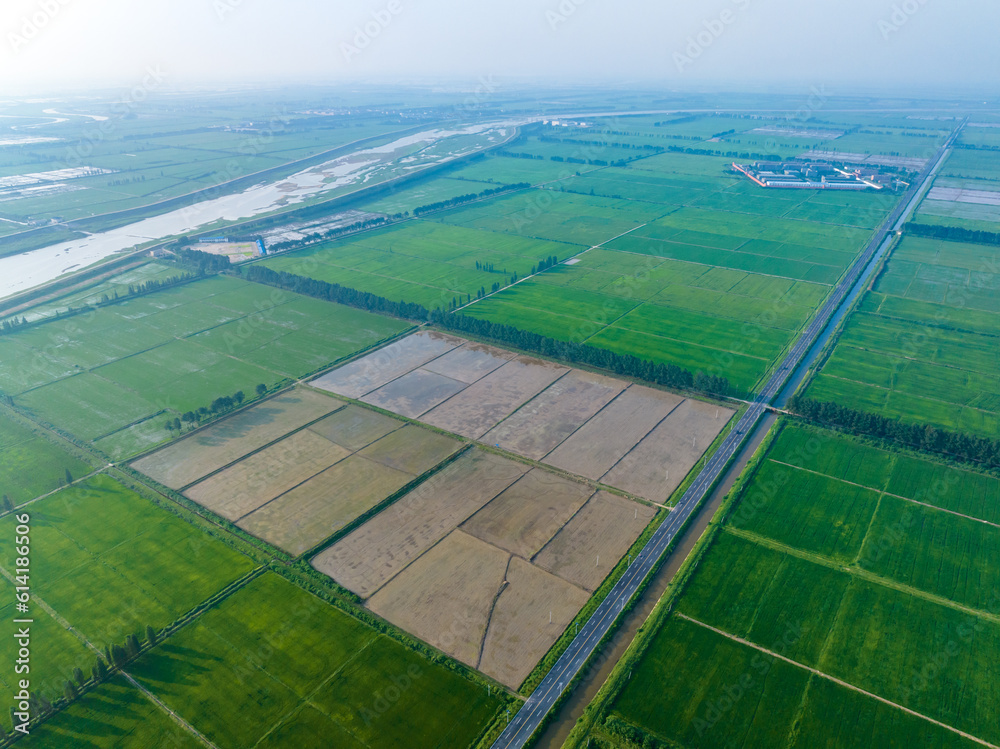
(537, 706)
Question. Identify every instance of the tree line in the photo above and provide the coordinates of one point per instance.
(953, 234)
(368, 223)
(668, 375)
(333, 292)
(965, 447)
(133, 290)
(468, 198)
(220, 405)
(115, 658)
(204, 261)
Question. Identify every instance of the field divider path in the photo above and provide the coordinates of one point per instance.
(835, 680)
(863, 574)
(890, 494)
(97, 651)
(550, 690)
(561, 262)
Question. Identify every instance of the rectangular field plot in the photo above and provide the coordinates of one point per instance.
(428, 262)
(111, 562)
(636, 438)
(540, 425)
(607, 525)
(919, 598)
(31, 464)
(316, 683)
(455, 560)
(114, 715)
(923, 347)
(593, 449)
(395, 360)
(107, 375)
(310, 482)
(483, 404)
(694, 315)
(220, 444)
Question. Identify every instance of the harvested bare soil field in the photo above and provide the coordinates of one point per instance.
(658, 464)
(482, 405)
(379, 367)
(530, 614)
(368, 557)
(636, 438)
(445, 597)
(218, 445)
(526, 515)
(245, 486)
(471, 362)
(600, 443)
(452, 563)
(590, 545)
(414, 393)
(353, 427)
(301, 518)
(544, 422)
(411, 449)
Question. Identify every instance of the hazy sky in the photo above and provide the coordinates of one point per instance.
(672, 42)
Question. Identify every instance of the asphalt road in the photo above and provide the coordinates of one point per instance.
(537, 706)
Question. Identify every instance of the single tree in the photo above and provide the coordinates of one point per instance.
(70, 691)
(151, 635)
(240, 397)
(78, 676)
(261, 389)
(100, 670)
(132, 646)
(7, 504)
(118, 655)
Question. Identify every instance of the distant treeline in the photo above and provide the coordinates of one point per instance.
(965, 447)
(204, 261)
(743, 155)
(460, 199)
(953, 234)
(602, 143)
(133, 290)
(333, 292)
(368, 223)
(668, 375)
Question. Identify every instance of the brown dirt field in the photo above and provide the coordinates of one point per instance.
(445, 597)
(519, 632)
(540, 425)
(301, 518)
(606, 527)
(412, 449)
(414, 393)
(471, 362)
(482, 405)
(373, 554)
(379, 367)
(208, 450)
(668, 448)
(600, 443)
(242, 488)
(529, 513)
(354, 428)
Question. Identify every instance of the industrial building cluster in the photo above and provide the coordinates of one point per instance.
(812, 175)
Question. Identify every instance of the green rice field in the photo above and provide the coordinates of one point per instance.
(786, 635)
(113, 376)
(923, 345)
(302, 673)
